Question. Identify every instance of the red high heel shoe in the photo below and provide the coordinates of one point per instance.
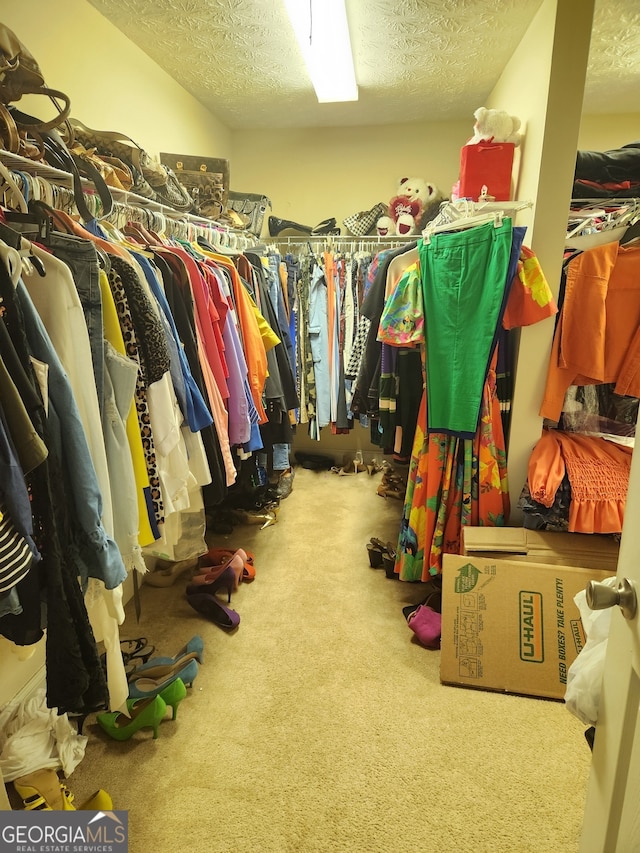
(219, 555)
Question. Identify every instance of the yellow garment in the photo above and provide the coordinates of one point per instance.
(269, 337)
(113, 334)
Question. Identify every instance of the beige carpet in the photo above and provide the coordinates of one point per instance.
(321, 726)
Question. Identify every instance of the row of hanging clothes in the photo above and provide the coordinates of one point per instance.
(140, 369)
(330, 281)
(578, 471)
(447, 307)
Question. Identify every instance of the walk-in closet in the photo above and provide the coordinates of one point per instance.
(318, 431)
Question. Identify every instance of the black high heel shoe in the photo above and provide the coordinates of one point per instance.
(327, 226)
(287, 228)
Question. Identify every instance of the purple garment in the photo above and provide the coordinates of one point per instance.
(237, 380)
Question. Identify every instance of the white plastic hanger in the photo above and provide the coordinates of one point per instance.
(464, 222)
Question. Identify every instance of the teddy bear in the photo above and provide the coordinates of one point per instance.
(495, 126)
(407, 210)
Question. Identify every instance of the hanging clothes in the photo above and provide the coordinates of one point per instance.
(454, 480)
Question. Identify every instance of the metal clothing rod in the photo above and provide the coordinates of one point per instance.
(346, 238)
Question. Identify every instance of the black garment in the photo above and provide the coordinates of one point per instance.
(280, 386)
(51, 596)
(366, 395)
(620, 164)
(597, 173)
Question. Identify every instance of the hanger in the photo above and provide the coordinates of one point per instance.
(463, 223)
(631, 234)
(10, 181)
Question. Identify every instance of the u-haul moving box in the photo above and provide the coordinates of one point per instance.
(511, 625)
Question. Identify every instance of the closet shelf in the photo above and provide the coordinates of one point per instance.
(36, 168)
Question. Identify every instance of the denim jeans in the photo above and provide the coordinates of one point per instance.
(319, 338)
(82, 259)
(277, 299)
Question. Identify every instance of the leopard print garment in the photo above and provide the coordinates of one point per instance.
(153, 352)
(142, 408)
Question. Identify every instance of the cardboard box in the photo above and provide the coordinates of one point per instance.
(564, 549)
(511, 625)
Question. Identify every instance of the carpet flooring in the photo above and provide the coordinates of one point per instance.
(321, 725)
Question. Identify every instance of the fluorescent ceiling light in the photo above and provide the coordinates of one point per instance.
(322, 32)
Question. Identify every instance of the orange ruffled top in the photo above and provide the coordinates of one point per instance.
(598, 472)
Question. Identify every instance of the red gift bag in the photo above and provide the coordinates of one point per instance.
(487, 164)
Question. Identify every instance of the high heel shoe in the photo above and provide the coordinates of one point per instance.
(327, 226)
(173, 694)
(213, 609)
(146, 685)
(217, 556)
(287, 228)
(212, 571)
(147, 713)
(98, 802)
(194, 648)
(164, 667)
(203, 583)
(43, 791)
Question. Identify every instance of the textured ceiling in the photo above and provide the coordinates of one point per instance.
(414, 59)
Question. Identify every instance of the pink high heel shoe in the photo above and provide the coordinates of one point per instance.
(202, 583)
(209, 572)
(219, 555)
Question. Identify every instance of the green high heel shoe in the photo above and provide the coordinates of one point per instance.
(172, 695)
(145, 713)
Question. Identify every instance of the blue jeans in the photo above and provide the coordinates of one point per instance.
(319, 338)
(81, 257)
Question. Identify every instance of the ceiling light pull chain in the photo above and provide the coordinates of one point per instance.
(310, 22)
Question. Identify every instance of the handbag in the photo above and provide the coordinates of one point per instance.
(486, 164)
(251, 208)
(206, 180)
(20, 75)
(57, 154)
(151, 179)
(362, 223)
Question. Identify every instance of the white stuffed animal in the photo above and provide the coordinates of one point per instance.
(495, 126)
(415, 198)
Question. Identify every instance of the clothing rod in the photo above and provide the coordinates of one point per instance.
(330, 238)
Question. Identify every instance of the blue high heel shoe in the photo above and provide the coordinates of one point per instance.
(193, 649)
(145, 714)
(150, 683)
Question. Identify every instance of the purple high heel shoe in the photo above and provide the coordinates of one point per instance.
(210, 586)
(214, 610)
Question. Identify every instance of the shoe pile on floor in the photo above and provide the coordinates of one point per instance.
(155, 684)
(43, 790)
(394, 482)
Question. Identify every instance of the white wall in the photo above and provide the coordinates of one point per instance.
(313, 174)
(550, 61)
(608, 131)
